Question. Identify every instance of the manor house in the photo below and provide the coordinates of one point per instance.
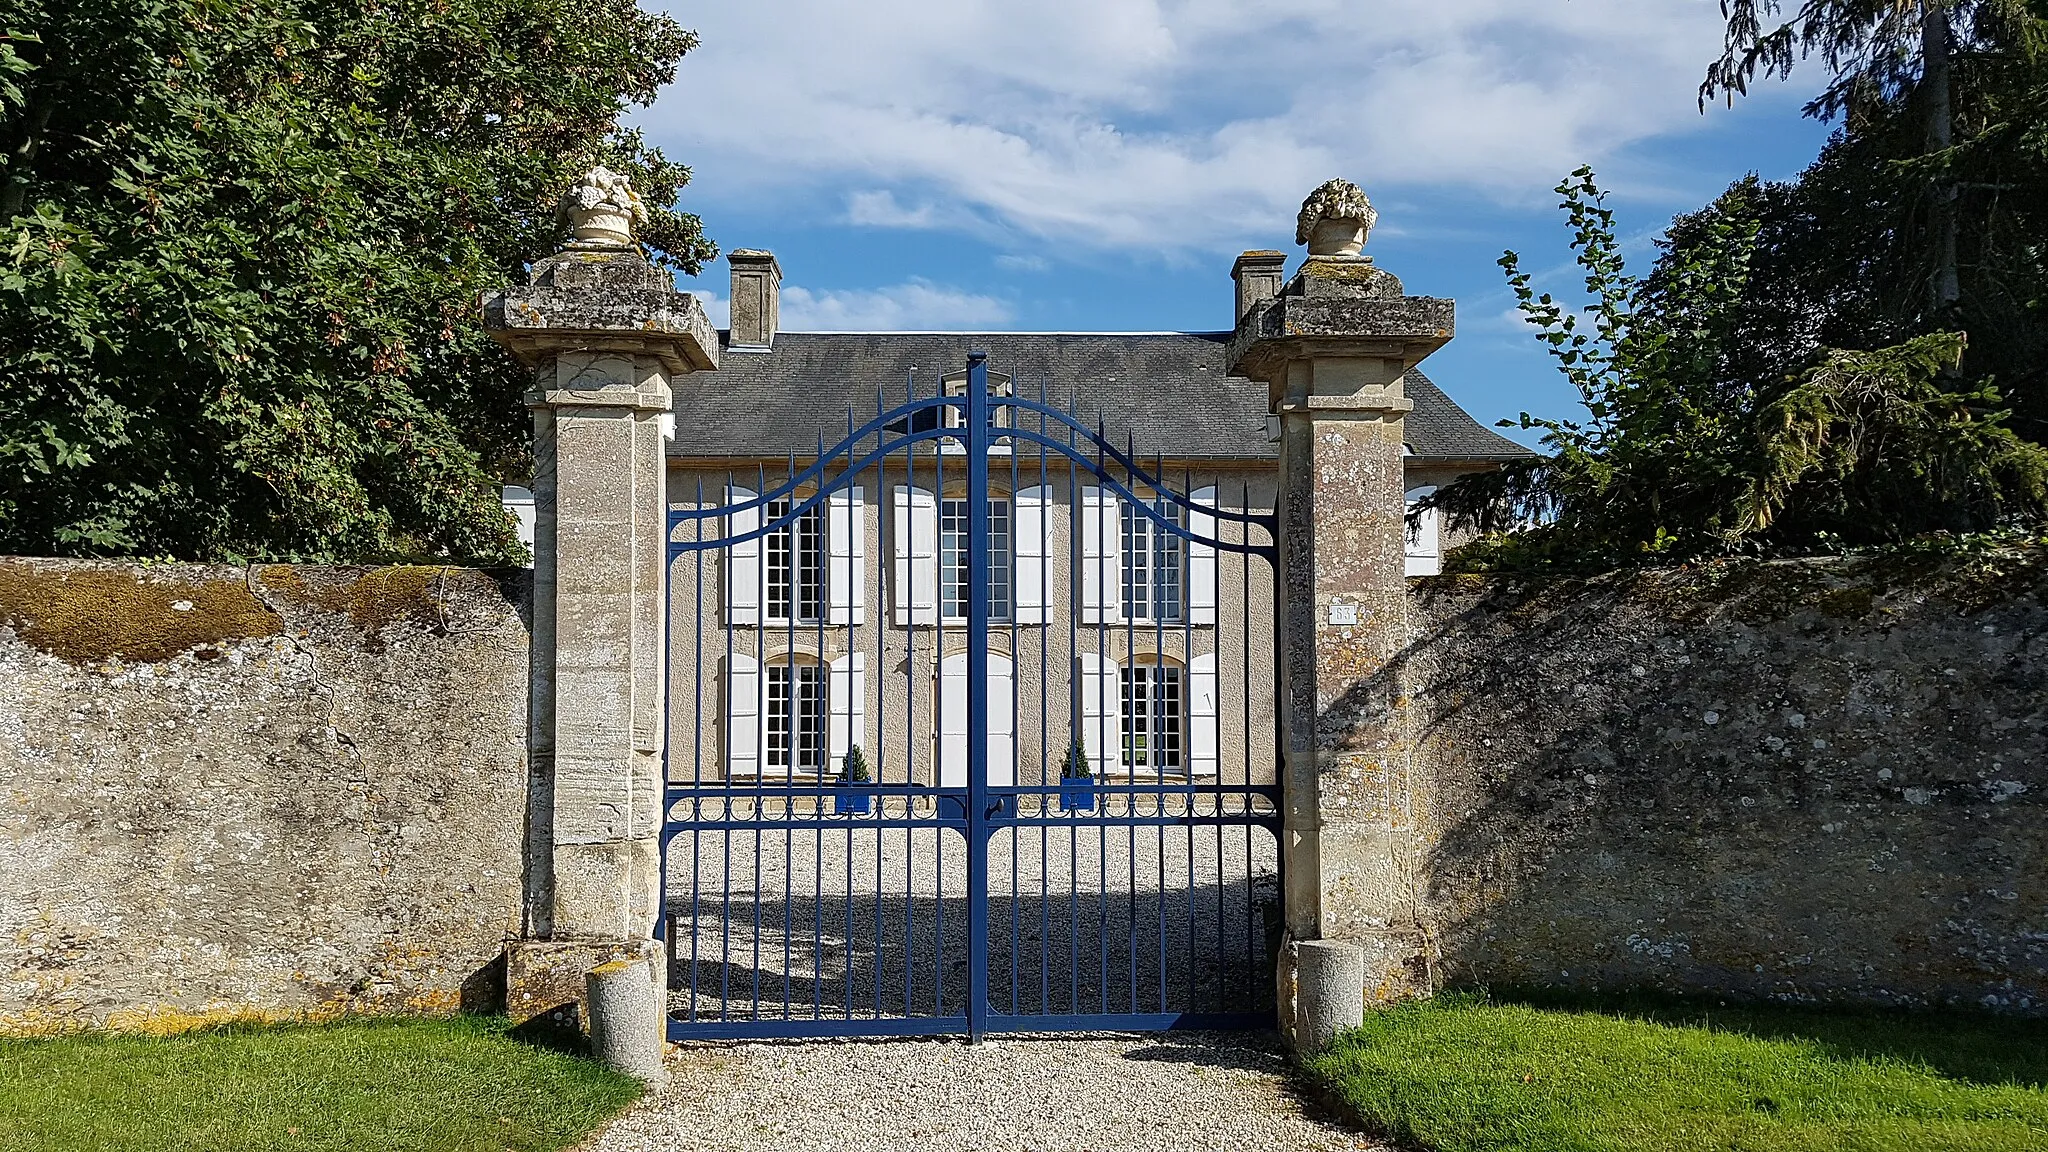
(843, 627)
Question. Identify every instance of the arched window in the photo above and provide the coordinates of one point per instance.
(795, 715)
(795, 705)
(1152, 702)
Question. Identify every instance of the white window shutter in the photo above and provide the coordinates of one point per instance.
(1002, 721)
(1034, 555)
(1425, 544)
(742, 561)
(917, 556)
(1101, 710)
(1202, 710)
(847, 723)
(1102, 564)
(742, 715)
(953, 721)
(846, 558)
(1202, 559)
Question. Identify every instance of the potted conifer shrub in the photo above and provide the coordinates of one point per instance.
(1077, 780)
(850, 799)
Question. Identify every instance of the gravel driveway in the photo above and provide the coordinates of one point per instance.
(1180, 1091)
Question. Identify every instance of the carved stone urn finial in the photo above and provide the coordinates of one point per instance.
(602, 209)
(1335, 220)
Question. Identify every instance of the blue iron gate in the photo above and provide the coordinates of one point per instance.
(847, 854)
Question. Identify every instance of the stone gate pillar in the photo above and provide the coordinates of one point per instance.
(1332, 346)
(604, 332)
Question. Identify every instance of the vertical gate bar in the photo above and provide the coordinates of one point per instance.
(1107, 501)
(1186, 718)
(662, 930)
(824, 509)
(859, 517)
(884, 509)
(1044, 674)
(939, 710)
(910, 687)
(977, 695)
(1251, 954)
(788, 805)
(726, 626)
(1016, 653)
(1187, 706)
(1177, 548)
(1147, 706)
(697, 755)
(1076, 686)
(761, 762)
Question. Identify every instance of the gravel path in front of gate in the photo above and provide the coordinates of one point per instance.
(1183, 1091)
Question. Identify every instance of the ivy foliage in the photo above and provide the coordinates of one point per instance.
(1688, 450)
(241, 245)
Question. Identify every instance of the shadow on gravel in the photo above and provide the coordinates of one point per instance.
(803, 928)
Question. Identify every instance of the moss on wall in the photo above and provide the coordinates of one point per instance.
(269, 794)
(374, 598)
(91, 614)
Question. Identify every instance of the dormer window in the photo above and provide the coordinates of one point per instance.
(955, 384)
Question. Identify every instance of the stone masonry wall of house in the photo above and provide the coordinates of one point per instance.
(269, 792)
(1813, 780)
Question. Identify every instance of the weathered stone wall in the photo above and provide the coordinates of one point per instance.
(281, 791)
(1814, 780)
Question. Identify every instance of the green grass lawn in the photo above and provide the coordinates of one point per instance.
(1459, 1074)
(451, 1085)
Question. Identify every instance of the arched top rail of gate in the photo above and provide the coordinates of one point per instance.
(841, 466)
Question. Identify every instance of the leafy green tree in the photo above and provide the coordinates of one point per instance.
(241, 244)
(1691, 449)
(1843, 253)
(1883, 57)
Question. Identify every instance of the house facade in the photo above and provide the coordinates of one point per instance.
(1114, 642)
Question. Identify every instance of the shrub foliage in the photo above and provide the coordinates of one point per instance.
(241, 244)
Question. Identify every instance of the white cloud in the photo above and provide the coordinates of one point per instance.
(916, 305)
(1167, 126)
(717, 307)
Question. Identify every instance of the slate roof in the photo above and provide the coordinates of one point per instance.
(1168, 390)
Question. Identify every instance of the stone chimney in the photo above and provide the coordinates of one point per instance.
(1258, 276)
(756, 299)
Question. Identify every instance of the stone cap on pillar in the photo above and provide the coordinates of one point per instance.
(1340, 307)
(600, 293)
(612, 301)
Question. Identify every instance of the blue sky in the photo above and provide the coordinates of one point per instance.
(1095, 165)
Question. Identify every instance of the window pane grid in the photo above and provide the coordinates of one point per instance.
(953, 559)
(796, 565)
(1152, 563)
(796, 718)
(1152, 718)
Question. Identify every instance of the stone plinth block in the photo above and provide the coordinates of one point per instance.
(545, 985)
